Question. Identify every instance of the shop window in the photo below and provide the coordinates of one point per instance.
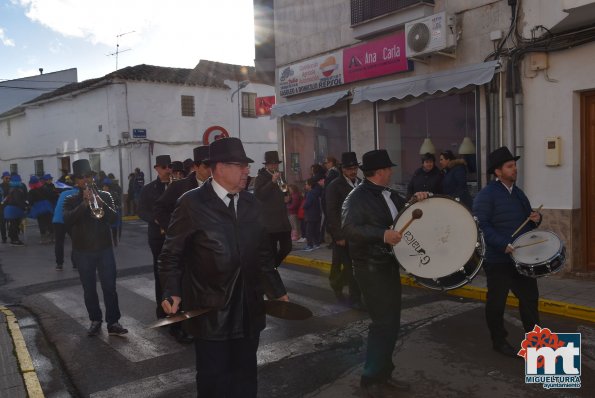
(445, 120)
(364, 10)
(38, 166)
(187, 105)
(248, 104)
(310, 138)
(95, 161)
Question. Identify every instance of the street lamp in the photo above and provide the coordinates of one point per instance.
(241, 85)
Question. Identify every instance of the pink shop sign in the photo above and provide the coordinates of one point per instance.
(376, 58)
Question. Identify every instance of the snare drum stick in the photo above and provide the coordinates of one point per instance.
(530, 244)
(417, 213)
(524, 223)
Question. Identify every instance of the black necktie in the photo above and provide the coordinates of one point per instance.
(231, 205)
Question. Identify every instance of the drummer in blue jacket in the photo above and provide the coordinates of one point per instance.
(501, 207)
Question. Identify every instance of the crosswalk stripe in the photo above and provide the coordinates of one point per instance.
(138, 345)
(143, 285)
(154, 386)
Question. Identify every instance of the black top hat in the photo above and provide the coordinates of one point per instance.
(499, 157)
(349, 159)
(177, 166)
(376, 159)
(228, 149)
(163, 160)
(201, 154)
(81, 168)
(271, 157)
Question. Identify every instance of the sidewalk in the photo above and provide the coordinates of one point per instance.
(559, 295)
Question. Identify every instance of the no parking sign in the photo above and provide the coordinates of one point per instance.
(214, 133)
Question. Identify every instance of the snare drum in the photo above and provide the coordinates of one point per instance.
(442, 250)
(538, 253)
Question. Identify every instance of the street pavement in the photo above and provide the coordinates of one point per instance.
(443, 350)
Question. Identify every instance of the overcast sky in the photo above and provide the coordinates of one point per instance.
(63, 34)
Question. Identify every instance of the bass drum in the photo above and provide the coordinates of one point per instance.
(442, 250)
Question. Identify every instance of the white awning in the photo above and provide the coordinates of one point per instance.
(427, 84)
(307, 104)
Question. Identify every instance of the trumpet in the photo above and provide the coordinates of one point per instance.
(95, 202)
(282, 183)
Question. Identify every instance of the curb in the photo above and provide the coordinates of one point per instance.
(130, 218)
(477, 293)
(24, 359)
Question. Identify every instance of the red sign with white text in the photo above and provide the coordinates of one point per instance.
(376, 58)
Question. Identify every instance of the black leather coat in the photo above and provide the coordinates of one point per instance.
(274, 209)
(87, 232)
(226, 264)
(365, 217)
(166, 203)
(148, 196)
(336, 192)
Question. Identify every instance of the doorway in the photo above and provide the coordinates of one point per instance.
(588, 177)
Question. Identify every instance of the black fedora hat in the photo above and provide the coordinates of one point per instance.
(201, 154)
(376, 159)
(499, 157)
(81, 168)
(163, 160)
(228, 149)
(349, 159)
(271, 157)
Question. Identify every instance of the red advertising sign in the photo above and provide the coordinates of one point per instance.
(264, 104)
(376, 58)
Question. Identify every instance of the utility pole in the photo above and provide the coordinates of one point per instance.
(118, 51)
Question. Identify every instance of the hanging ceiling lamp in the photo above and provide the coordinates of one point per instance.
(467, 147)
(427, 146)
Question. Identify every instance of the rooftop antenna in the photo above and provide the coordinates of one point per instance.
(118, 51)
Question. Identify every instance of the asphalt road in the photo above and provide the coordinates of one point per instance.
(444, 350)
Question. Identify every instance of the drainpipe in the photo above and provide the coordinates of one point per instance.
(519, 148)
(121, 171)
(510, 119)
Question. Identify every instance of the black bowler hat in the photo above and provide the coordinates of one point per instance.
(376, 159)
(349, 159)
(201, 154)
(188, 162)
(163, 160)
(271, 157)
(81, 168)
(176, 165)
(499, 157)
(228, 149)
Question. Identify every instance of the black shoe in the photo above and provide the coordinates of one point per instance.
(181, 336)
(16, 243)
(94, 329)
(74, 266)
(504, 348)
(59, 267)
(115, 329)
(397, 385)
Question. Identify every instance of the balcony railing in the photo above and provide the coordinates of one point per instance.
(364, 10)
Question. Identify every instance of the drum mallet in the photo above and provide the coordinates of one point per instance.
(524, 223)
(417, 213)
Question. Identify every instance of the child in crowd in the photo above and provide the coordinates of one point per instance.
(293, 206)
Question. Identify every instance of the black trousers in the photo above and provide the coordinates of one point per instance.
(2, 224)
(13, 229)
(156, 245)
(226, 369)
(342, 273)
(381, 288)
(280, 245)
(59, 235)
(502, 278)
(44, 222)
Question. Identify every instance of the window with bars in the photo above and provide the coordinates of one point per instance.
(38, 166)
(95, 161)
(14, 168)
(364, 10)
(249, 104)
(187, 105)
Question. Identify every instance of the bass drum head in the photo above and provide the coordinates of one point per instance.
(542, 246)
(438, 244)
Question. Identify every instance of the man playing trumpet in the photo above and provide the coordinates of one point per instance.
(89, 216)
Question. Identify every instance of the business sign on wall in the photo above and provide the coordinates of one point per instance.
(376, 58)
(313, 74)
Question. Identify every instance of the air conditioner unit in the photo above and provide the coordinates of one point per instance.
(433, 34)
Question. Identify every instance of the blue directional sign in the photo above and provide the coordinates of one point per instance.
(139, 133)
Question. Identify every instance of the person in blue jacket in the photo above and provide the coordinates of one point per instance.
(60, 229)
(501, 207)
(454, 180)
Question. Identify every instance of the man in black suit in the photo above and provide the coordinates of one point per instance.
(341, 268)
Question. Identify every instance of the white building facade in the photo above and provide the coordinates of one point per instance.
(356, 75)
(127, 118)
